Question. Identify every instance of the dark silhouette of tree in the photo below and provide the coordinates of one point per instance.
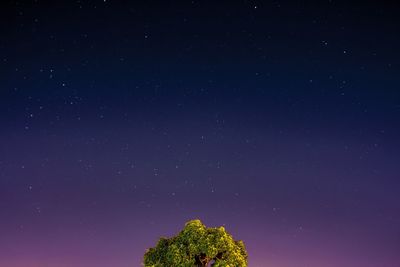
(197, 245)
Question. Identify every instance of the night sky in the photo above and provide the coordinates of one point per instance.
(120, 121)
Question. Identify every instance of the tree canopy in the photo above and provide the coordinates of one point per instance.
(197, 245)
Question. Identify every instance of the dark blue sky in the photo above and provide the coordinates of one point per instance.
(121, 121)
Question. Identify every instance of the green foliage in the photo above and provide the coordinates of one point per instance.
(197, 245)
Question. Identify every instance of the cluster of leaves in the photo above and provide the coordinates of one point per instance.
(197, 245)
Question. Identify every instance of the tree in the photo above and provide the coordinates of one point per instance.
(197, 245)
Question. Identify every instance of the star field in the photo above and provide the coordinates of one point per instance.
(121, 121)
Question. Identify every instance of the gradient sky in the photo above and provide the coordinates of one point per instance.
(121, 121)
